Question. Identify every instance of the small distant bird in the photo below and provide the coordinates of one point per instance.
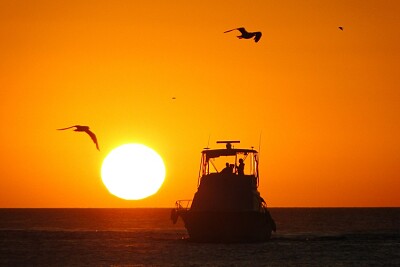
(80, 128)
(246, 34)
(341, 28)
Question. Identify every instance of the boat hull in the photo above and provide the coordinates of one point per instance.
(211, 226)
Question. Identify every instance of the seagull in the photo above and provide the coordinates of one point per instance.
(341, 28)
(80, 128)
(246, 34)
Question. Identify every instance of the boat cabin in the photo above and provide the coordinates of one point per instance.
(229, 161)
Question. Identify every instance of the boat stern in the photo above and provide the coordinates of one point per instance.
(181, 208)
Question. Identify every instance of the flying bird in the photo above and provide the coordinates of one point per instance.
(341, 28)
(80, 128)
(246, 34)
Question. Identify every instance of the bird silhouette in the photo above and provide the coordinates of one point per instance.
(246, 34)
(341, 28)
(80, 128)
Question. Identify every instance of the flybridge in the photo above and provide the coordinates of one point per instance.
(215, 160)
(229, 151)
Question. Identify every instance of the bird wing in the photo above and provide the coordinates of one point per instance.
(93, 136)
(67, 128)
(258, 36)
(229, 30)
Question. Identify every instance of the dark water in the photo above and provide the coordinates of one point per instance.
(146, 237)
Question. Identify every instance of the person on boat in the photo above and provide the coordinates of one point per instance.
(240, 168)
(227, 169)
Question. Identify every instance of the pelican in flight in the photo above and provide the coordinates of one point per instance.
(80, 128)
(246, 34)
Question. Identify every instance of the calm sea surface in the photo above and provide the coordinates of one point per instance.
(147, 237)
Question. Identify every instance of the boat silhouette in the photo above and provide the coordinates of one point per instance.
(227, 206)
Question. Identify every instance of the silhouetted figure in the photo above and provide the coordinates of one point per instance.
(85, 129)
(341, 28)
(240, 168)
(226, 169)
(247, 35)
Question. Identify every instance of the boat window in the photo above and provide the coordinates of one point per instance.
(218, 164)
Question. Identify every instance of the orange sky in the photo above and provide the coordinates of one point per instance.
(326, 102)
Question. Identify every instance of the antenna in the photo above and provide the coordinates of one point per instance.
(208, 142)
(258, 159)
(225, 142)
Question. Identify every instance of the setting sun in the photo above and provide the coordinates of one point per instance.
(133, 171)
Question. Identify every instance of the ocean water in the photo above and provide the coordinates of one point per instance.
(147, 237)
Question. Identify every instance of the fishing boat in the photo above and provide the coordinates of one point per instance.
(227, 206)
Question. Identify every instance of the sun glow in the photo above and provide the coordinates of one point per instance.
(133, 171)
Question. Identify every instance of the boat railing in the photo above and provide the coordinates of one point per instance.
(183, 204)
